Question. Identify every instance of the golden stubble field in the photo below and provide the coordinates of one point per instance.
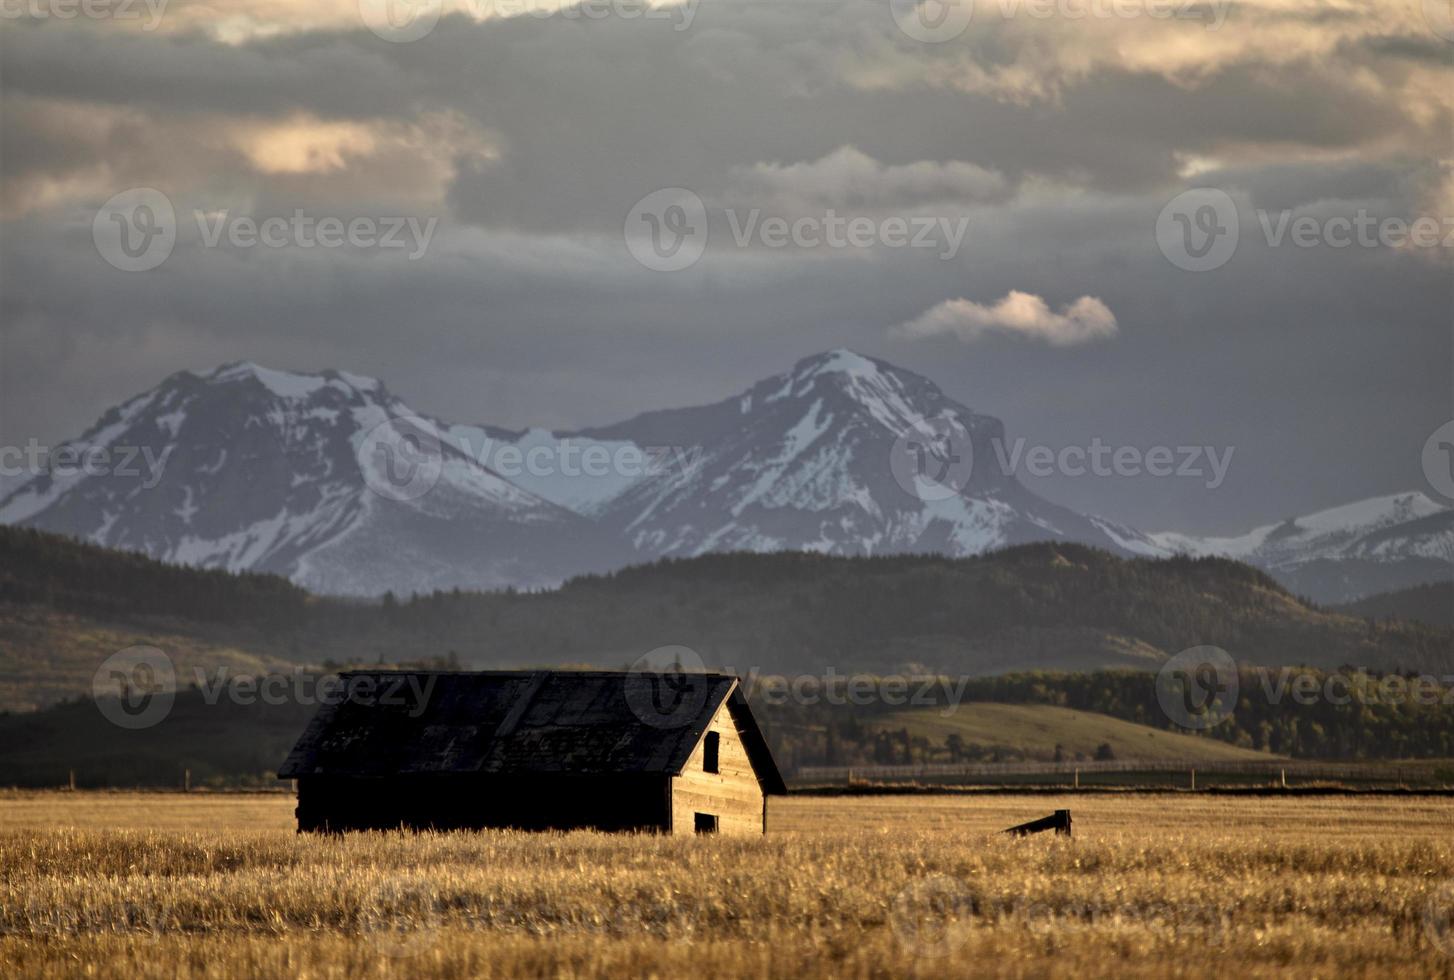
(133, 885)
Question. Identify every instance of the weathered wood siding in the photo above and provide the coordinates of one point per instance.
(732, 795)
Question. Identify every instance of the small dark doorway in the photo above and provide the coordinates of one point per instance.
(711, 750)
(705, 823)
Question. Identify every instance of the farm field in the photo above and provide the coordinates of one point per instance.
(204, 885)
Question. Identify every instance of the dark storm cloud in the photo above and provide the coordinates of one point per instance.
(531, 140)
(591, 118)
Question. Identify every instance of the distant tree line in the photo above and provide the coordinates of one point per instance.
(62, 573)
(1369, 715)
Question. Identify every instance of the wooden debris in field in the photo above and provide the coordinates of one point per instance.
(1059, 821)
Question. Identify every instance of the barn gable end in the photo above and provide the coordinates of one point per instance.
(732, 798)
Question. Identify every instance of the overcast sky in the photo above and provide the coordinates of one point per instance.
(1040, 145)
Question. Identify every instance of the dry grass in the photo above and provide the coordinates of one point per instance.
(219, 886)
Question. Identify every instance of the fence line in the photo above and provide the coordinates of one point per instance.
(1296, 769)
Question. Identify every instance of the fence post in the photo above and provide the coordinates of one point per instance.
(1193, 780)
(71, 781)
(1077, 778)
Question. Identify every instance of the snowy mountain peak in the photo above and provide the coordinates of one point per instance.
(840, 360)
(1374, 512)
(292, 385)
(326, 478)
(856, 385)
(1323, 531)
(1343, 552)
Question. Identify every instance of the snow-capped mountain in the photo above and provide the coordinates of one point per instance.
(322, 478)
(333, 481)
(805, 461)
(1344, 553)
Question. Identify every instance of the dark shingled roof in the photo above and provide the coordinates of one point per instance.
(521, 722)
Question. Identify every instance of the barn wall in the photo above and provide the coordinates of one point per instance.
(448, 801)
(732, 794)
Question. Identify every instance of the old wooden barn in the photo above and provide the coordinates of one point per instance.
(675, 753)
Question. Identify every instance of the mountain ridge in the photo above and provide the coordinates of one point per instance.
(314, 476)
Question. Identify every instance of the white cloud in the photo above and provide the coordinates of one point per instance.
(850, 178)
(1022, 314)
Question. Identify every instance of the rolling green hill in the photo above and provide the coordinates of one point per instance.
(1039, 729)
(1432, 604)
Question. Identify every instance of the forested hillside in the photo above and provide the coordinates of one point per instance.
(64, 606)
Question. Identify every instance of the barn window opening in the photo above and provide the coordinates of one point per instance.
(710, 752)
(705, 823)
